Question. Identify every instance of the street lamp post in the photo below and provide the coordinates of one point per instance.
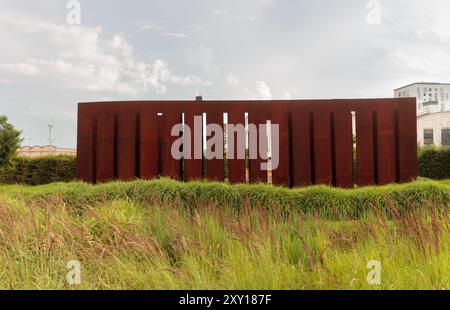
(50, 140)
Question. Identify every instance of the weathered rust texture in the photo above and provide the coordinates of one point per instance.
(127, 140)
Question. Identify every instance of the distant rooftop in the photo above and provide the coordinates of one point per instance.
(422, 83)
(44, 150)
(428, 113)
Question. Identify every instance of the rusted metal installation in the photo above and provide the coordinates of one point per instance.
(127, 140)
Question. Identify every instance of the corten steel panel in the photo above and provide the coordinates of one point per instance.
(236, 167)
(105, 144)
(215, 167)
(322, 146)
(258, 117)
(301, 148)
(280, 116)
(171, 167)
(386, 139)
(365, 173)
(343, 148)
(85, 144)
(407, 140)
(386, 145)
(159, 142)
(193, 168)
(126, 156)
(149, 143)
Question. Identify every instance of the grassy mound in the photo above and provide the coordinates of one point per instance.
(323, 201)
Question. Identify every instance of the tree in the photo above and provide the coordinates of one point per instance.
(9, 141)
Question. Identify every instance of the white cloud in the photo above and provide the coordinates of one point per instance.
(162, 31)
(248, 19)
(232, 79)
(203, 58)
(442, 25)
(19, 68)
(423, 52)
(221, 12)
(5, 81)
(151, 26)
(177, 35)
(263, 90)
(83, 57)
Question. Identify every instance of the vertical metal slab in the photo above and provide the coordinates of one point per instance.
(365, 174)
(171, 167)
(322, 147)
(257, 117)
(193, 168)
(149, 143)
(386, 145)
(85, 144)
(215, 167)
(280, 116)
(126, 155)
(407, 140)
(236, 166)
(301, 148)
(105, 144)
(343, 148)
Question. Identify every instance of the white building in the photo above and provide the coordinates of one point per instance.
(433, 111)
(45, 150)
(431, 97)
(433, 128)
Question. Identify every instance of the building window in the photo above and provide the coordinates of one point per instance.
(445, 138)
(428, 137)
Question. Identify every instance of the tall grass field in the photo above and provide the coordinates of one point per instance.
(164, 234)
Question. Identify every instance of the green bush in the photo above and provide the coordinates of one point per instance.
(324, 201)
(9, 142)
(434, 162)
(39, 170)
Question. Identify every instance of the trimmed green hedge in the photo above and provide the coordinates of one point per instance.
(40, 170)
(434, 162)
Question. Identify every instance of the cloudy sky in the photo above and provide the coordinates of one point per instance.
(233, 49)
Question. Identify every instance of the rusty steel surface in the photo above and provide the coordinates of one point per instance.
(148, 145)
(256, 175)
(128, 140)
(215, 168)
(193, 168)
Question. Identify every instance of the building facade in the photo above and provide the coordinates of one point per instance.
(433, 128)
(38, 151)
(431, 97)
(433, 111)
